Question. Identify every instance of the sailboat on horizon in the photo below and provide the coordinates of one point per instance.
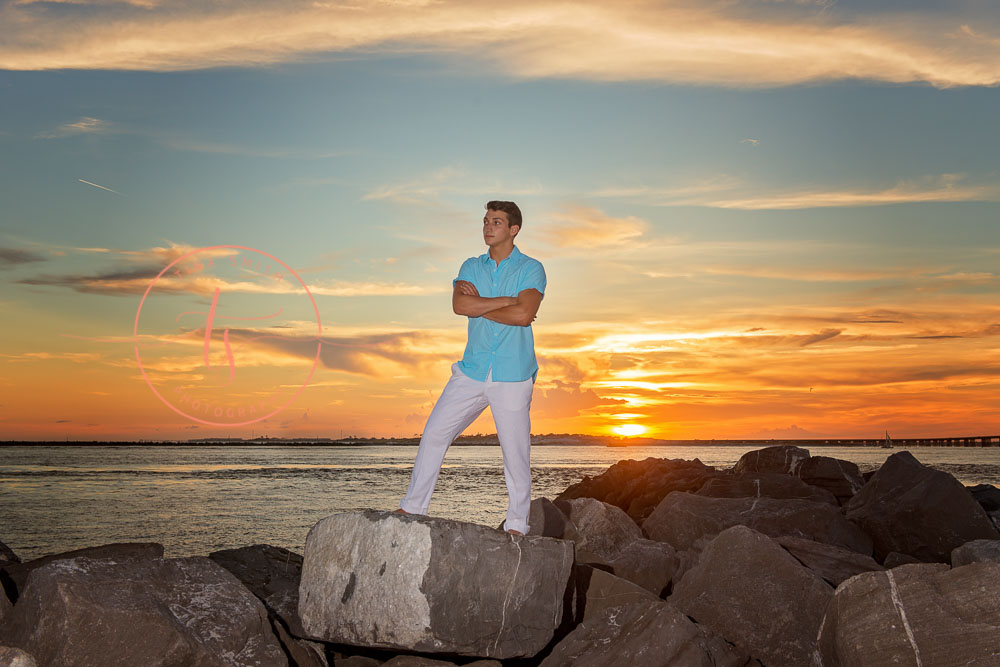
(887, 443)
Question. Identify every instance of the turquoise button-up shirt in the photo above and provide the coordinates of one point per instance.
(508, 350)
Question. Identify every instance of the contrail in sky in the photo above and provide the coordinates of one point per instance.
(99, 186)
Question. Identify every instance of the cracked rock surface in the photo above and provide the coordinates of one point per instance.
(388, 580)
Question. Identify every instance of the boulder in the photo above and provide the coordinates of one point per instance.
(605, 535)
(976, 551)
(987, 495)
(172, 611)
(682, 518)
(764, 484)
(749, 590)
(641, 634)
(548, 520)
(272, 574)
(419, 583)
(15, 657)
(7, 555)
(895, 559)
(839, 477)
(637, 487)
(14, 575)
(597, 590)
(6, 609)
(784, 459)
(915, 614)
(831, 563)
(910, 508)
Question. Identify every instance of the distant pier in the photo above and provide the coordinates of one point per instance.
(969, 441)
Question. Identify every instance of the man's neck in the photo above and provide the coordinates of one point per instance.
(500, 253)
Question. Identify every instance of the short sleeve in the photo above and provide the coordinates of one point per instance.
(466, 272)
(532, 276)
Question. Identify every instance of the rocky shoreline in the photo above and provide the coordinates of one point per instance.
(784, 559)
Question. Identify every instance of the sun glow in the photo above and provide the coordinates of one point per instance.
(629, 430)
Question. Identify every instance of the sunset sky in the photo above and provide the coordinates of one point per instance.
(758, 218)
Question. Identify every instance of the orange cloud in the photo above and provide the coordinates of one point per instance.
(687, 42)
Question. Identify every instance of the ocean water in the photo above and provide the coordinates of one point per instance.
(199, 499)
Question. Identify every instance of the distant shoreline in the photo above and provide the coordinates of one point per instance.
(552, 440)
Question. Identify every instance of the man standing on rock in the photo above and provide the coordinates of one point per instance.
(500, 292)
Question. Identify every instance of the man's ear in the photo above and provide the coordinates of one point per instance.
(514, 229)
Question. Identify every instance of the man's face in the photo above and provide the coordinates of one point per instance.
(496, 232)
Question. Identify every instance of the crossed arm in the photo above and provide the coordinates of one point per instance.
(517, 310)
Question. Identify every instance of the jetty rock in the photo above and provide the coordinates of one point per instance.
(606, 536)
(162, 611)
(911, 509)
(683, 518)
(15, 657)
(839, 477)
(749, 590)
(833, 564)
(644, 634)
(15, 574)
(430, 585)
(976, 551)
(637, 487)
(784, 459)
(764, 484)
(921, 614)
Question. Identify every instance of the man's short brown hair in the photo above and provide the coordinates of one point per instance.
(508, 207)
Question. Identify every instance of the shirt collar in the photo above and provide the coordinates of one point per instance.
(515, 255)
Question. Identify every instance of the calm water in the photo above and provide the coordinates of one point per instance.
(198, 499)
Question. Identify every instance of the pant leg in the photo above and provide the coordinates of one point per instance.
(510, 403)
(462, 400)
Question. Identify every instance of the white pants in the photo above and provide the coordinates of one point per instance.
(462, 400)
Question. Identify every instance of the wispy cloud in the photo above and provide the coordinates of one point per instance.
(85, 125)
(430, 188)
(722, 43)
(11, 257)
(731, 194)
(588, 227)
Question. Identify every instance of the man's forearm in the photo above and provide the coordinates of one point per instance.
(515, 315)
(477, 306)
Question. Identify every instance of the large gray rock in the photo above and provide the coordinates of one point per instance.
(272, 574)
(833, 564)
(764, 484)
(638, 486)
(15, 574)
(839, 477)
(7, 555)
(915, 510)
(749, 590)
(156, 612)
(976, 551)
(546, 519)
(414, 582)
(987, 495)
(682, 518)
(643, 634)
(596, 590)
(923, 614)
(784, 459)
(605, 535)
(15, 657)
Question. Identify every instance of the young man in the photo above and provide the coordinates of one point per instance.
(500, 292)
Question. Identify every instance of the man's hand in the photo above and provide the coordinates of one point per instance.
(467, 288)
